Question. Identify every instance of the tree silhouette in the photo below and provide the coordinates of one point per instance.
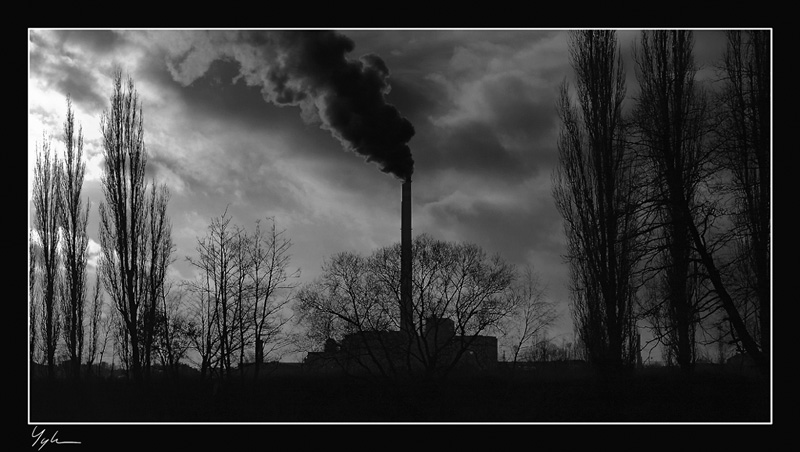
(159, 248)
(532, 315)
(33, 300)
(746, 143)
(670, 118)
(96, 348)
(46, 196)
(270, 283)
(455, 282)
(594, 190)
(239, 295)
(74, 219)
(172, 330)
(215, 292)
(134, 231)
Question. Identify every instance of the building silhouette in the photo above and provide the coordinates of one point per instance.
(398, 352)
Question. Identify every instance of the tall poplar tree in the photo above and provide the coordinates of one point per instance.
(670, 117)
(595, 192)
(748, 150)
(123, 215)
(46, 197)
(74, 218)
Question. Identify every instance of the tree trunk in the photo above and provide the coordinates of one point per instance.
(749, 344)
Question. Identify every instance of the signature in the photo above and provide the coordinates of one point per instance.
(42, 441)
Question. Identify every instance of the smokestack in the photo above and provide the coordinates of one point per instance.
(406, 308)
(311, 70)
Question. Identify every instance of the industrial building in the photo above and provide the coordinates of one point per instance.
(398, 352)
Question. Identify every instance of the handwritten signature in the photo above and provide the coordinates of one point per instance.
(42, 441)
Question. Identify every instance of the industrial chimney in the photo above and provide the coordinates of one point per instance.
(406, 308)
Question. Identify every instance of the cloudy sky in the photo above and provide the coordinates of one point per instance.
(247, 120)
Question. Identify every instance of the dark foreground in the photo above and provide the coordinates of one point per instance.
(642, 398)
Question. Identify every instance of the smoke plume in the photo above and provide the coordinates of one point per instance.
(311, 70)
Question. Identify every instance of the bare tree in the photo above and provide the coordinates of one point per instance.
(595, 192)
(532, 314)
(123, 215)
(214, 292)
(33, 301)
(46, 203)
(241, 298)
(456, 283)
(202, 323)
(346, 294)
(74, 218)
(120, 342)
(670, 116)
(740, 286)
(159, 250)
(746, 143)
(173, 329)
(271, 285)
(95, 347)
(348, 300)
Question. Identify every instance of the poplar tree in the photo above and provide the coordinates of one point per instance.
(74, 218)
(123, 214)
(46, 196)
(595, 191)
(670, 117)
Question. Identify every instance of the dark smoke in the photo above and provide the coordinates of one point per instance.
(352, 94)
(311, 69)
